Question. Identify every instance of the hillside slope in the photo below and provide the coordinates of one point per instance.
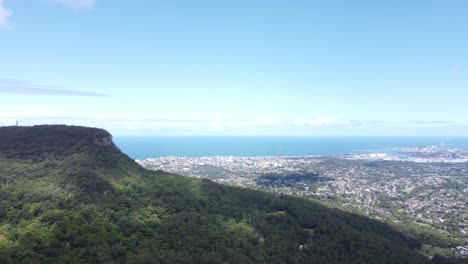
(68, 195)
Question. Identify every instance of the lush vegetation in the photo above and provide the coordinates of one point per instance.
(68, 195)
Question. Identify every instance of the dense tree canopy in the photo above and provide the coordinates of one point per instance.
(68, 195)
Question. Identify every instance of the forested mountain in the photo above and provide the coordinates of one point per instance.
(68, 195)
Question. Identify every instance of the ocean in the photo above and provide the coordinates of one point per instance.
(154, 147)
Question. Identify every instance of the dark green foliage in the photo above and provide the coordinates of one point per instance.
(445, 260)
(39, 142)
(67, 197)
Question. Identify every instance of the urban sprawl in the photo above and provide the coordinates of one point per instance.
(426, 187)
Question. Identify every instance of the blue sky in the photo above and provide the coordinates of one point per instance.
(308, 68)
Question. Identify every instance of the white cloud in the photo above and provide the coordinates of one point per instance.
(315, 122)
(7, 122)
(300, 121)
(75, 4)
(323, 121)
(128, 123)
(24, 88)
(124, 123)
(5, 14)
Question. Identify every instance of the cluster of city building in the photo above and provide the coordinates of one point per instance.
(416, 154)
(434, 194)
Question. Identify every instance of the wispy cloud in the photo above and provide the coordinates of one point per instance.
(75, 4)
(18, 87)
(5, 14)
(430, 122)
(142, 126)
(125, 122)
(315, 122)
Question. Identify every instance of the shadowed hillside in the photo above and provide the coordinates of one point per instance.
(68, 195)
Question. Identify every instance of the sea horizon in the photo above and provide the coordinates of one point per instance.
(143, 147)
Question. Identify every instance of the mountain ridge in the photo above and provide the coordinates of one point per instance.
(69, 195)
